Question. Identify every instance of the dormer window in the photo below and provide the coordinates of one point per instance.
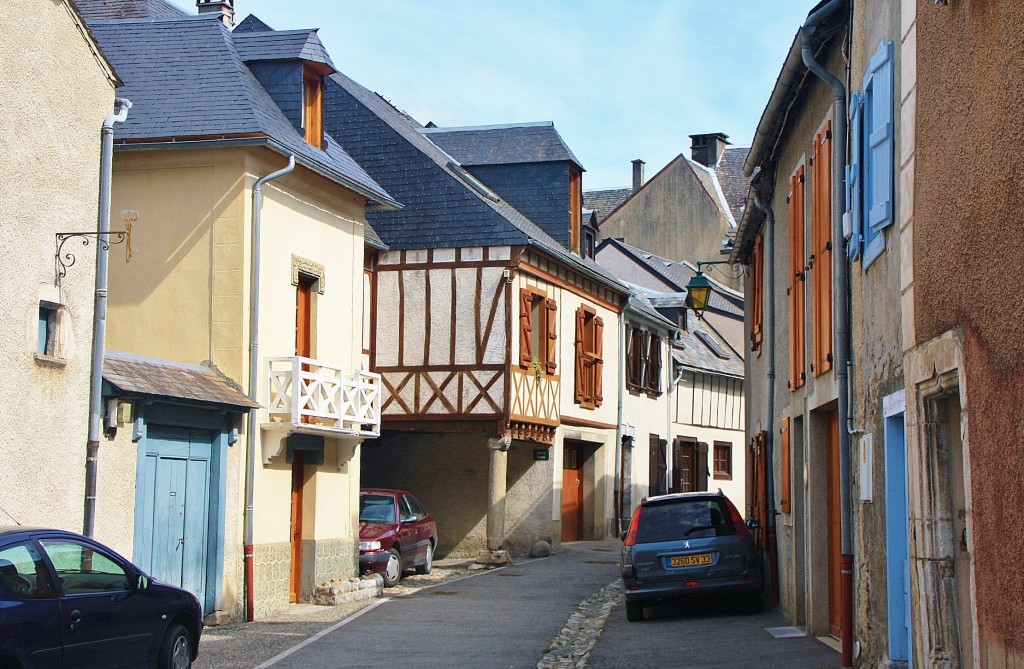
(313, 106)
(575, 207)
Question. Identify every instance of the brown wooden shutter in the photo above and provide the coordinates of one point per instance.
(797, 291)
(525, 327)
(631, 355)
(551, 351)
(654, 364)
(757, 288)
(701, 475)
(313, 103)
(598, 360)
(822, 240)
(580, 361)
(785, 484)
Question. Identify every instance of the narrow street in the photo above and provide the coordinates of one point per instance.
(562, 611)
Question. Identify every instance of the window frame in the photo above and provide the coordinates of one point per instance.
(722, 474)
(589, 361)
(544, 333)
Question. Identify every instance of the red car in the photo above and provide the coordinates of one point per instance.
(395, 533)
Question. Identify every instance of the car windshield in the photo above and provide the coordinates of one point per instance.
(684, 519)
(377, 509)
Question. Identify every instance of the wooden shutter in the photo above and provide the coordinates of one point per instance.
(632, 367)
(313, 107)
(785, 484)
(598, 360)
(877, 154)
(822, 248)
(797, 291)
(654, 364)
(581, 367)
(575, 208)
(854, 177)
(525, 327)
(551, 321)
(756, 289)
(701, 474)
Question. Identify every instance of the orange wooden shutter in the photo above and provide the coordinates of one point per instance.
(598, 360)
(314, 107)
(822, 240)
(757, 297)
(550, 353)
(580, 362)
(797, 326)
(525, 327)
(785, 485)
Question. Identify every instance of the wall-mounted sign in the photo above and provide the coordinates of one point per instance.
(541, 454)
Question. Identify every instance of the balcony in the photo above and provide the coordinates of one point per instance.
(313, 397)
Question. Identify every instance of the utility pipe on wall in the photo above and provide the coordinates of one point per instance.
(254, 348)
(840, 272)
(99, 315)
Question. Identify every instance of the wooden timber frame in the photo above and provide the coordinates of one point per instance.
(441, 372)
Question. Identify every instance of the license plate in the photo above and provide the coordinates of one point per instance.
(691, 560)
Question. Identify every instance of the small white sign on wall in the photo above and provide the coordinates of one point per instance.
(866, 481)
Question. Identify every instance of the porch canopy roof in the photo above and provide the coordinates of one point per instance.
(140, 375)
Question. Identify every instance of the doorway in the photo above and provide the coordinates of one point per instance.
(896, 529)
(572, 492)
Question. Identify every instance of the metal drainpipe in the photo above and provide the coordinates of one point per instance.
(619, 446)
(841, 285)
(99, 316)
(769, 263)
(254, 348)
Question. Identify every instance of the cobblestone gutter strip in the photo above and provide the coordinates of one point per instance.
(571, 648)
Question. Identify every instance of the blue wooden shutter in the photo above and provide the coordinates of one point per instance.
(877, 158)
(853, 176)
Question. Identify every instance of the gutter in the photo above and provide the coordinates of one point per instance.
(254, 341)
(841, 310)
(99, 314)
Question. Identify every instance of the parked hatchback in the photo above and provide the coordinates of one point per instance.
(688, 543)
(395, 534)
(68, 601)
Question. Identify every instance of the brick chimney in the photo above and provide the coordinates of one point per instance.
(707, 149)
(226, 9)
(638, 174)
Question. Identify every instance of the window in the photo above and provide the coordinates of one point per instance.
(797, 290)
(871, 156)
(653, 368)
(538, 331)
(643, 360)
(313, 106)
(723, 460)
(821, 249)
(23, 574)
(47, 335)
(83, 570)
(575, 207)
(756, 293)
(589, 363)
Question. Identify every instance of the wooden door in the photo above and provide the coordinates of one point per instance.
(757, 502)
(658, 466)
(298, 480)
(304, 325)
(572, 494)
(684, 468)
(834, 525)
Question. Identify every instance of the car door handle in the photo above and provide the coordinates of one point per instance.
(75, 617)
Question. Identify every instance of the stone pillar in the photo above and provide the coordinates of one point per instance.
(496, 489)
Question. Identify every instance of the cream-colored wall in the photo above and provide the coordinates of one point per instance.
(115, 479)
(56, 93)
(648, 415)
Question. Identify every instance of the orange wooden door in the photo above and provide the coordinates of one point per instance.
(834, 525)
(304, 325)
(572, 494)
(298, 480)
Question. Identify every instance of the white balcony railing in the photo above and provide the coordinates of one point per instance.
(312, 396)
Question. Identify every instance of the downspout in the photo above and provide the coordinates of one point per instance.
(841, 286)
(769, 263)
(620, 448)
(254, 356)
(99, 316)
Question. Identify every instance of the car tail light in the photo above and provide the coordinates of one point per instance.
(634, 525)
(737, 520)
(691, 584)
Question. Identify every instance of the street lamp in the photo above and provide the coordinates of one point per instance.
(698, 290)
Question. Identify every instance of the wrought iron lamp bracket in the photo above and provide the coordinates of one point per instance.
(64, 259)
(735, 268)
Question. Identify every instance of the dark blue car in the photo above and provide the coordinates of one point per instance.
(67, 601)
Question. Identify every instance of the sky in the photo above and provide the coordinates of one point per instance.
(620, 79)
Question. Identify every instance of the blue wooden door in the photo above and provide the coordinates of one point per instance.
(896, 536)
(177, 464)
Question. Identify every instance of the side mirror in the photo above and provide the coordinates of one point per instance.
(623, 535)
(752, 524)
(142, 582)
(408, 519)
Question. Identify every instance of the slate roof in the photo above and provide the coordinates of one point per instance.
(187, 80)
(709, 179)
(640, 303)
(112, 10)
(154, 377)
(730, 175)
(250, 24)
(254, 45)
(503, 144)
(441, 207)
(678, 274)
(604, 202)
(701, 349)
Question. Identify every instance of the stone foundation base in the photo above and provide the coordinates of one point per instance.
(350, 590)
(494, 558)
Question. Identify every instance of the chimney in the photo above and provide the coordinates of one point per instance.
(707, 149)
(638, 174)
(226, 9)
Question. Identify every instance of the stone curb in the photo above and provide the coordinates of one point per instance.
(571, 648)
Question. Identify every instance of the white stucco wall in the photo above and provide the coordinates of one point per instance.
(56, 92)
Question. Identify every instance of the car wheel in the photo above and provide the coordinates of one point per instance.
(428, 561)
(393, 570)
(176, 649)
(634, 611)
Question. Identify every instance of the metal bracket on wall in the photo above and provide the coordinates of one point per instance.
(65, 259)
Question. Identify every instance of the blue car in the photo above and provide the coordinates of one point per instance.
(67, 601)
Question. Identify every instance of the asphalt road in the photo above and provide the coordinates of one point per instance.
(504, 618)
